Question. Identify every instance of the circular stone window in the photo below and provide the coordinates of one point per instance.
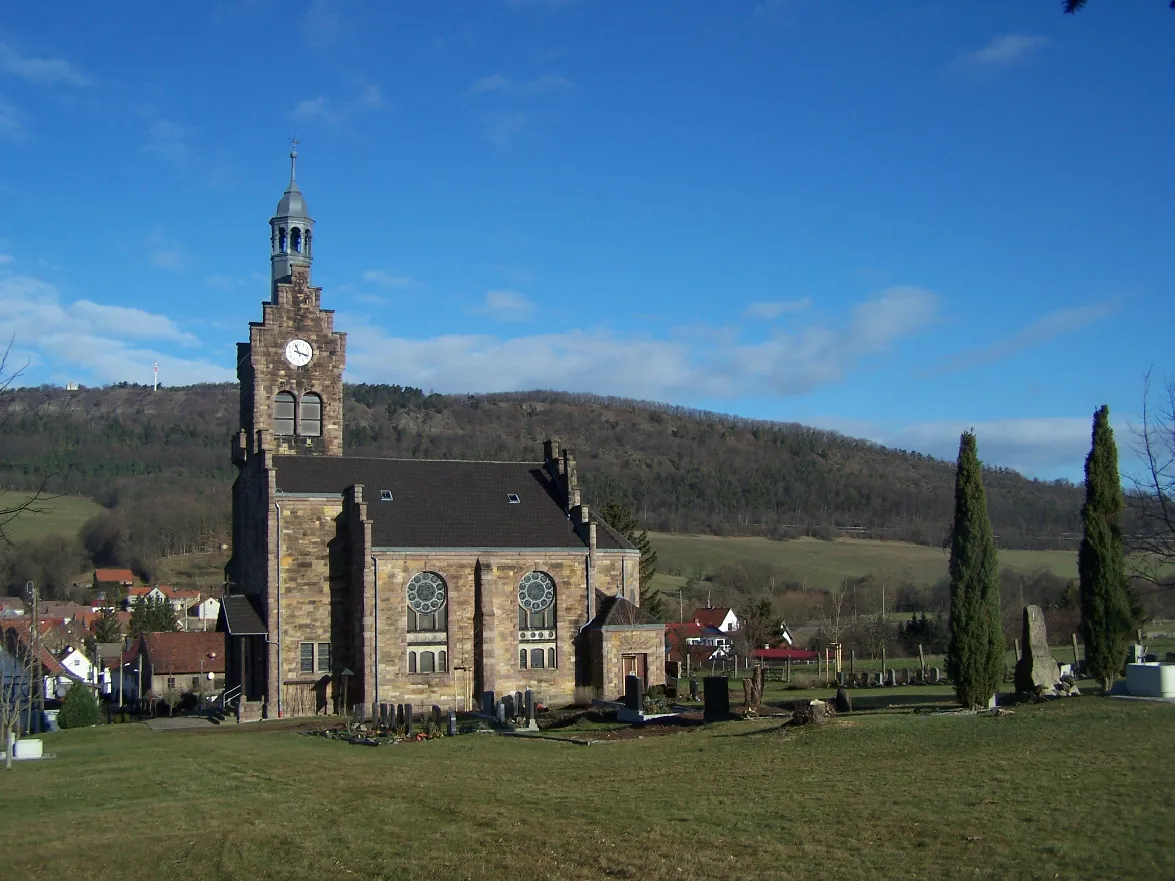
(536, 591)
(426, 592)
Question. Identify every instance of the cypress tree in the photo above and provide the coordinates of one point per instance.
(975, 655)
(620, 517)
(1105, 603)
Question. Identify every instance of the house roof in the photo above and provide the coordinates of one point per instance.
(12, 606)
(181, 652)
(241, 617)
(21, 632)
(115, 576)
(713, 616)
(447, 504)
(615, 611)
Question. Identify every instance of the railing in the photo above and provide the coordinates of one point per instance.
(230, 699)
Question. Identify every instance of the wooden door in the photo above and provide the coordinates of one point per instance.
(634, 665)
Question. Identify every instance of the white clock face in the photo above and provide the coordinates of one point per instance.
(299, 352)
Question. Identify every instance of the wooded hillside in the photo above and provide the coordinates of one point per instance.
(679, 469)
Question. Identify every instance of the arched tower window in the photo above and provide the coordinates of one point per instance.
(283, 413)
(306, 243)
(428, 623)
(281, 239)
(537, 621)
(310, 415)
(296, 240)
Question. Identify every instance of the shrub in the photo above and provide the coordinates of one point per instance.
(79, 709)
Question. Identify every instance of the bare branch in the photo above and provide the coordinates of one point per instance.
(1151, 495)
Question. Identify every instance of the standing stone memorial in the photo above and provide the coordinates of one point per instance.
(716, 691)
(891, 677)
(634, 697)
(452, 724)
(935, 675)
(1036, 671)
(487, 703)
(408, 730)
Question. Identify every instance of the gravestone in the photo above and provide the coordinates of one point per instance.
(436, 716)
(408, 727)
(452, 724)
(840, 678)
(500, 712)
(375, 714)
(1136, 653)
(935, 675)
(716, 691)
(383, 715)
(528, 710)
(508, 706)
(693, 688)
(487, 703)
(518, 711)
(634, 697)
(906, 676)
(843, 703)
(399, 716)
(1036, 671)
(891, 677)
(360, 711)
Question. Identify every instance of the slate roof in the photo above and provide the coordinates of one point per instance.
(241, 617)
(180, 652)
(445, 503)
(614, 611)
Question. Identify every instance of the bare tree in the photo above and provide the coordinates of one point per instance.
(832, 619)
(1151, 535)
(16, 686)
(11, 508)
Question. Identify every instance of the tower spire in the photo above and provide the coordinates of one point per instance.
(294, 142)
(291, 227)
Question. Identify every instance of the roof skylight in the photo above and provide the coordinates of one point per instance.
(385, 495)
(513, 498)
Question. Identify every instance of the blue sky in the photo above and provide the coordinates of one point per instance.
(897, 220)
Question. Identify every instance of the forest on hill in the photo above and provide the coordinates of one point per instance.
(159, 462)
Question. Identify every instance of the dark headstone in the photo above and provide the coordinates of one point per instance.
(375, 714)
(693, 688)
(891, 677)
(383, 716)
(716, 691)
(634, 697)
(500, 712)
(436, 716)
(840, 678)
(508, 706)
(935, 675)
(487, 703)
(1036, 671)
(408, 727)
(518, 703)
(528, 705)
(843, 703)
(452, 724)
(906, 680)
(399, 716)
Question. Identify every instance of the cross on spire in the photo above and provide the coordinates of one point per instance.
(294, 142)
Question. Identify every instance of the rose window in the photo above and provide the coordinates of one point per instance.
(536, 591)
(426, 593)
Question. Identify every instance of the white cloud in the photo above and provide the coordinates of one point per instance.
(12, 121)
(772, 309)
(1033, 446)
(93, 342)
(169, 140)
(168, 258)
(1043, 329)
(548, 82)
(659, 369)
(505, 306)
(321, 108)
(42, 71)
(386, 279)
(1002, 51)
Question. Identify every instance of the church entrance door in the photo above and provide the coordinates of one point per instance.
(634, 665)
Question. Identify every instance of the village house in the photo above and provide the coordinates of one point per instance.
(178, 662)
(112, 582)
(428, 582)
(203, 614)
(717, 617)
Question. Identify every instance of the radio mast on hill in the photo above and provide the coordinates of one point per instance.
(155, 383)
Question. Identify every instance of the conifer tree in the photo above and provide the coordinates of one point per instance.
(620, 517)
(1105, 602)
(975, 655)
(78, 709)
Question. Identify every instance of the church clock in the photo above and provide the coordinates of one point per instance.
(299, 352)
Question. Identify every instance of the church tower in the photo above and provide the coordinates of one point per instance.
(291, 370)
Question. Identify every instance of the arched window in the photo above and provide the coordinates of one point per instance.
(306, 242)
(428, 623)
(536, 621)
(295, 240)
(536, 601)
(310, 415)
(283, 414)
(281, 239)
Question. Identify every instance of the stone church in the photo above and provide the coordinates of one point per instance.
(362, 580)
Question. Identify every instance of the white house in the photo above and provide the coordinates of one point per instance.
(718, 617)
(203, 615)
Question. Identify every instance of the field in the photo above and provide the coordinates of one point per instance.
(54, 515)
(1081, 788)
(825, 564)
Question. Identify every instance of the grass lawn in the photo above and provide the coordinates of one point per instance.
(1081, 788)
(55, 515)
(826, 564)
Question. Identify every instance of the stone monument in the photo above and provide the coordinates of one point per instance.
(1036, 671)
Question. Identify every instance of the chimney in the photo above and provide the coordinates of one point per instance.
(551, 452)
(571, 480)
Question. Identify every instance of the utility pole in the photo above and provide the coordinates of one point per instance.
(680, 606)
(38, 672)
